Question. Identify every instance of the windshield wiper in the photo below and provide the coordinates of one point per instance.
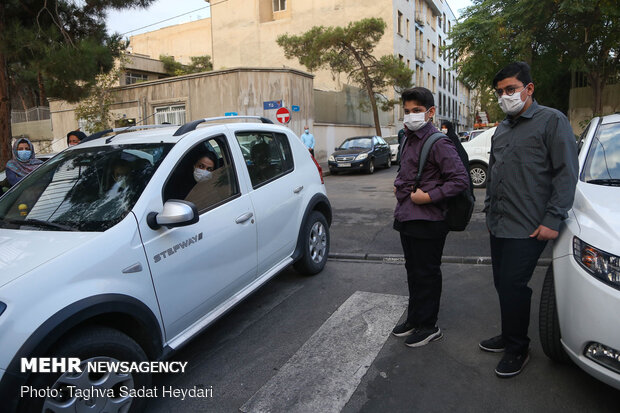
(40, 223)
(608, 182)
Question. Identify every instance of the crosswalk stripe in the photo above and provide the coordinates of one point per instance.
(326, 370)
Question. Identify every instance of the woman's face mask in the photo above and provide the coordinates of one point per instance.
(444, 131)
(23, 155)
(202, 175)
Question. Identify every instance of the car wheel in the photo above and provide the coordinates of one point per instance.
(478, 175)
(93, 344)
(315, 245)
(549, 323)
(371, 166)
(388, 165)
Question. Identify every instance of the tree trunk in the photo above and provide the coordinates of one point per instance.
(597, 83)
(42, 97)
(5, 104)
(371, 93)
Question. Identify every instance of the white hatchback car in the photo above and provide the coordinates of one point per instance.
(478, 149)
(580, 302)
(112, 252)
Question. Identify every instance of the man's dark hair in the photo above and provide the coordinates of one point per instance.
(520, 70)
(420, 95)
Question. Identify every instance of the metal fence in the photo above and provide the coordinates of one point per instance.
(32, 114)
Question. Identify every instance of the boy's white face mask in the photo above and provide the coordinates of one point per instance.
(415, 121)
(511, 105)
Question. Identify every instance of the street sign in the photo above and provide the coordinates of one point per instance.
(231, 114)
(283, 115)
(295, 108)
(273, 104)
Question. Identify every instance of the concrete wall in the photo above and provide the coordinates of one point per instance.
(39, 132)
(581, 102)
(181, 41)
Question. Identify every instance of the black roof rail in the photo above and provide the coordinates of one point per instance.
(190, 126)
(99, 134)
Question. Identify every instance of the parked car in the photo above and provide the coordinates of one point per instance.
(463, 136)
(113, 252)
(479, 149)
(360, 153)
(394, 145)
(580, 300)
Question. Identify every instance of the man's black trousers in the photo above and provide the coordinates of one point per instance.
(423, 264)
(514, 261)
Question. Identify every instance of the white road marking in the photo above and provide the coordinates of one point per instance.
(326, 370)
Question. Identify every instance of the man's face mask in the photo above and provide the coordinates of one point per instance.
(23, 155)
(201, 175)
(415, 121)
(511, 105)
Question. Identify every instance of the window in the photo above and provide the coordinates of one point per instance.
(434, 84)
(407, 27)
(434, 55)
(279, 5)
(131, 78)
(218, 182)
(173, 114)
(267, 156)
(400, 57)
(399, 28)
(428, 48)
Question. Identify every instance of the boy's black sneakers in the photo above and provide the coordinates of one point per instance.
(494, 344)
(421, 337)
(511, 364)
(403, 330)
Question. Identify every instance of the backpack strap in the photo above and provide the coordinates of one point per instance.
(426, 149)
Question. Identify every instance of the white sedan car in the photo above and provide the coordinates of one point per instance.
(580, 302)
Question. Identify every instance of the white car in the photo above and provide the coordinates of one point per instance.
(394, 145)
(478, 149)
(580, 301)
(112, 252)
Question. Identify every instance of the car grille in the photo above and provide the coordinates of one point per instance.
(345, 158)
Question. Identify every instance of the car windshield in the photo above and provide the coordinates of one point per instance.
(602, 164)
(392, 140)
(86, 189)
(364, 143)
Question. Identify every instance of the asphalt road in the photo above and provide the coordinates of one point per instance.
(322, 343)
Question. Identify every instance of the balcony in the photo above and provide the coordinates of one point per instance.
(419, 18)
(419, 55)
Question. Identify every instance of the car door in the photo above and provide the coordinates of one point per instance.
(197, 268)
(277, 194)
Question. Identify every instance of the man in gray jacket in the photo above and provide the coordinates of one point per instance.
(532, 178)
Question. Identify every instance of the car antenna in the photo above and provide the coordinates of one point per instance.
(130, 126)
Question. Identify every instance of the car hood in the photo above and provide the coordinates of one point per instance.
(351, 151)
(23, 251)
(598, 217)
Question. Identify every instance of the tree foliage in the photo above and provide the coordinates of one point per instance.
(554, 36)
(197, 64)
(349, 50)
(56, 47)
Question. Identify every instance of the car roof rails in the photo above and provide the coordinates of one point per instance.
(99, 134)
(190, 126)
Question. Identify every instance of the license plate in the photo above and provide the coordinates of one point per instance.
(344, 165)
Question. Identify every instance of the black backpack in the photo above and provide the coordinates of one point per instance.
(460, 206)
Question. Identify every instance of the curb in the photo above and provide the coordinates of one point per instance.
(400, 259)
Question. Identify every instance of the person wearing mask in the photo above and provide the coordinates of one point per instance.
(308, 140)
(419, 214)
(531, 186)
(75, 137)
(23, 162)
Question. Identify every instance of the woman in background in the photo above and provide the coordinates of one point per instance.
(23, 161)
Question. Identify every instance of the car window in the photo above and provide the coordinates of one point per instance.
(86, 189)
(381, 141)
(603, 159)
(364, 143)
(206, 188)
(267, 155)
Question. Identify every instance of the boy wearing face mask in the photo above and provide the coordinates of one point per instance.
(23, 161)
(531, 185)
(419, 214)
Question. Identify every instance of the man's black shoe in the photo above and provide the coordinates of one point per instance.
(511, 364)
(494, 344)
(403, 330)
(421, 337)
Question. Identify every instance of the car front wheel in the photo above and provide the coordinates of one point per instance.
(549, 323)
(315, 245)
(92, 344)
(371, 166)
(388, 164)
(478, 175)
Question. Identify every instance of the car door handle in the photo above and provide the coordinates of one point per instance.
(244, 217)
(298, 190)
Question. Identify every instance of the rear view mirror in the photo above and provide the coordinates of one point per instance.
(176, 213)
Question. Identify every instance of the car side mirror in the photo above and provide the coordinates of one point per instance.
(176, 213)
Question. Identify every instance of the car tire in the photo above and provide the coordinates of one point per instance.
(92, 344)
(371, 167)
(478, 173)
(388, 164)
(549, 323)
(315, 245)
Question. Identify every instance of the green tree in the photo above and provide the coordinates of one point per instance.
(553, 36)
(349, 50)
(57, 46)
(197, 64)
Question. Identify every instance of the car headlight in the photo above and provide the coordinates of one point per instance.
(361, 156)
(331, 158)
(602, 265)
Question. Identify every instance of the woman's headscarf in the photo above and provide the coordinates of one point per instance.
(78, 134)
(23, 168)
